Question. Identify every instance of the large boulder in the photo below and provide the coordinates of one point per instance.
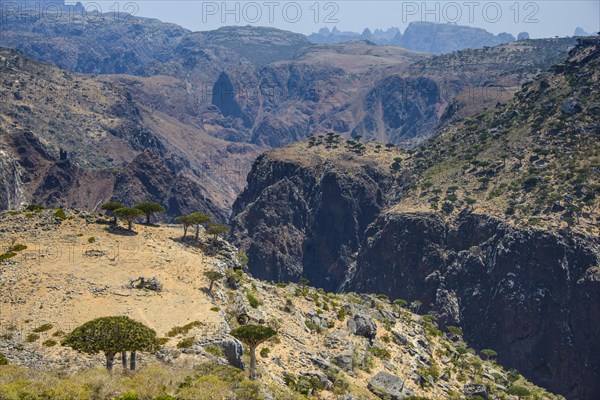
(387, 386)
(233, 351)
(475, 389)
(363, 325)
(344, 360)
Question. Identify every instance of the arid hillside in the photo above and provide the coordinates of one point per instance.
(328, 345)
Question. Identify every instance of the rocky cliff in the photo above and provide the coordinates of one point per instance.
(304, 212)
(531, 295)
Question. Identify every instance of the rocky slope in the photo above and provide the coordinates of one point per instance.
(69, 140)
(328, 346)
(493, 225)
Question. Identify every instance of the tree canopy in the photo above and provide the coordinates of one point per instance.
(212, 277)
(111, 335)
(252, 336)
(149, 208)
(111, 206)
(198, 218)
(186, 221)
(217, 229)
(129, 214)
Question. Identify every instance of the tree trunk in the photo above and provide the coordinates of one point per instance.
(114, 219)
(197, 231)
(210, 287)
(124, 359)
(133, 361)
(110, 360)
(184, 231)
(253, 375)
(129, 224)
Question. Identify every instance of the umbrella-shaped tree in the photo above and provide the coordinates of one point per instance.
(252, 336)
(149, 208)
(212, 277)
(111, 206)
(199, 218)
(186, 221)
(128, 214)
(216, 230)
(112, 335)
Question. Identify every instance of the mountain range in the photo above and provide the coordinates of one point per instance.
(446, 167)
(426, 37)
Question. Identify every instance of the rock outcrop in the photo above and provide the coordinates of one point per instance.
(307, 219)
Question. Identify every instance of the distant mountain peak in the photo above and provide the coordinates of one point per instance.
(422, 36)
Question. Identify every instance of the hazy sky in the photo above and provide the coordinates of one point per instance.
(539, 18)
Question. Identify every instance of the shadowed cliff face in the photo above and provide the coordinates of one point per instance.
(299, 220)
(533, 296)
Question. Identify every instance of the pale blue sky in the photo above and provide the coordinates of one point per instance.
(539, 18)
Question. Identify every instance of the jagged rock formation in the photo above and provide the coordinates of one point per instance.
(427, 37)
(435, 38)
(500, 284)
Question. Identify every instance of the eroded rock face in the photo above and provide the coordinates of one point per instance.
(533, 296)
(297, 220)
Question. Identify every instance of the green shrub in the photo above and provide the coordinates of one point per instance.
(234, 278)
(315, 328)
(455, 329)
(401, 302)
(213, 349)
(215, 309)
(43, 328)
(6, 256)
(128, 396)
(91, 240)
(162, 341)
(264, 352)
(254, 303)
(60, 214)
(341, 315)
(380, 352)
(32, 337)
(182, 330)
(186, 343)
(18, 247)
(49, 343)
(3, 360)
(517, 390)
